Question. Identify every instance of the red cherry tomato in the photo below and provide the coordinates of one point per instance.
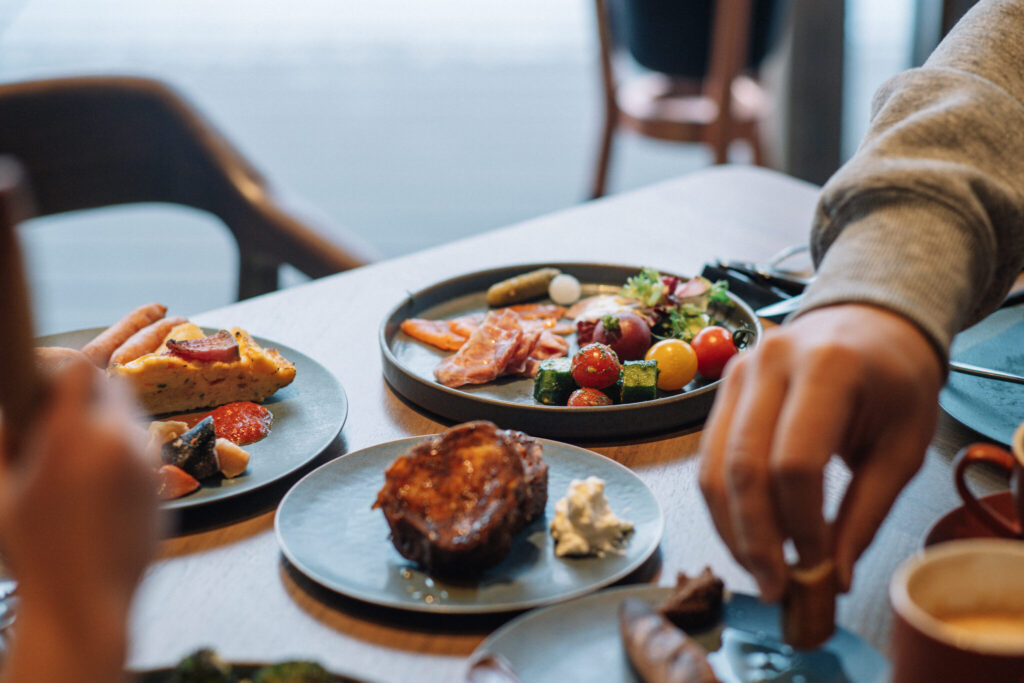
(714, 347)
(595, 366)
(589, 397)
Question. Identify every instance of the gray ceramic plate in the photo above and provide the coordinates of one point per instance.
(327, 530)
(409, 366)
(987, 406)
(308, 414)
(579, 641)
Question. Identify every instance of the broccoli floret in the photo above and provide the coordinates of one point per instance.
(292, 672)
(202, 666)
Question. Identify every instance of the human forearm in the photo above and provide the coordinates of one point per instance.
(925, 219)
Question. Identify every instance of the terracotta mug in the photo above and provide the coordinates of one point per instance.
(958, 612)
(1013, 464)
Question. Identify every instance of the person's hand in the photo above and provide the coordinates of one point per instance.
(852, 380)
(78, 525)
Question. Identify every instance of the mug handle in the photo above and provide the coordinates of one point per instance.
(994, 455)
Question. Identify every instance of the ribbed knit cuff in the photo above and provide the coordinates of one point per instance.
(910, 256)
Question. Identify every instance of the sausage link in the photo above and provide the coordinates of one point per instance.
(106, 342)
(146, 340)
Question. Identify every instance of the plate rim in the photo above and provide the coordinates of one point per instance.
(492, 608)
(392, 362)
(185, 503)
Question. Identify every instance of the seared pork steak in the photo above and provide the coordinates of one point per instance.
(455, 501)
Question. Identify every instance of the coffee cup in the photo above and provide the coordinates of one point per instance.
(958, 612)
(1012, 462)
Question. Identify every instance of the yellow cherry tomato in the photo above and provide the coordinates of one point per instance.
(677, 363)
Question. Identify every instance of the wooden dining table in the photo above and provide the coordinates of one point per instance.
(220, 579)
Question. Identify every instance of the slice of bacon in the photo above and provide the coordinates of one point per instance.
(485, 355)
(217, 347)
(434, 332)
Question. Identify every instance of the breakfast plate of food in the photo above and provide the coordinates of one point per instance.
(567, 350)
(612, 634)
(229, 412)
(462, 522)
(991, 408)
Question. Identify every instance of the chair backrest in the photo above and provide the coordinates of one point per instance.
(98, 141)
(677, 38)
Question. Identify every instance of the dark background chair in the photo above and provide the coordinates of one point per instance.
(699, 58)
(91, 142)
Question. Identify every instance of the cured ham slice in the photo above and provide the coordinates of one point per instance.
(434, 332)
(486, 354)
(503, 344)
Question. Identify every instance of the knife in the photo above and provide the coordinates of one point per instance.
(977, 371)
(784, 307)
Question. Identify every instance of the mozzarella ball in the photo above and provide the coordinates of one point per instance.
(564, 289)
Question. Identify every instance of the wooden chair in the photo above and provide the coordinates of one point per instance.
(91, 142)
(725, 105)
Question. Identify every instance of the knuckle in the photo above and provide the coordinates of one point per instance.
(790, 471)
(745, 472)
(775, 346)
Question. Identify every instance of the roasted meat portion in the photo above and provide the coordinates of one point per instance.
(455, 501)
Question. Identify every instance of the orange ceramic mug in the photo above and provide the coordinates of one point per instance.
(958, 611)
(1013, 464)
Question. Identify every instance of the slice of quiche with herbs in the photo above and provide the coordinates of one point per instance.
(191, 370)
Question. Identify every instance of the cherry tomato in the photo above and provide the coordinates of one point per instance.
(595, 366)
(714, 347)
(589, 397)
(677, 363)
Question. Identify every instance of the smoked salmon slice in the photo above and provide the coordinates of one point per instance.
(535, 311)
(434, 332)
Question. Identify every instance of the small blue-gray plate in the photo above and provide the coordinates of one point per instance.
(508, 401)
(328, 531)
(579, 641)
(990, 407)
(308, 414)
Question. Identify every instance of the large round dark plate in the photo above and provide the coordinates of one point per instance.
(989, 406)
(308, 414)
(328, 531)
(409, 365)
(164, 675)
(579, 641)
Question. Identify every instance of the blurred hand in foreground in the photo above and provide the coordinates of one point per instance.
(78, 525)
(850, 379)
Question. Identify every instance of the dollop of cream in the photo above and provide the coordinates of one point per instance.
(584, 524)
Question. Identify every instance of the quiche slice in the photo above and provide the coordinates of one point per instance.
(170, 380)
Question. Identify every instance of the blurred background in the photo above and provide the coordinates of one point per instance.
(408, 123)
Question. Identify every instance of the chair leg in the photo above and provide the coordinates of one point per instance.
(604, 153)
(256, 275)
(756, 148)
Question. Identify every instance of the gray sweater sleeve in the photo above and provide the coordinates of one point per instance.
(927, 218)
